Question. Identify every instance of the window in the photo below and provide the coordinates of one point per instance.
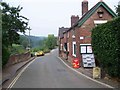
(83, 49)
(68, 46)
(86, 48)
(98, 22)
(65, 46)
(61, 46)
(74, 49)
(73, 33)
(68, 35)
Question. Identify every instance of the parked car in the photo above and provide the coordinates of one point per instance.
(40, 53)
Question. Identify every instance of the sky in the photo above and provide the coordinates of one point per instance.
(46, 16)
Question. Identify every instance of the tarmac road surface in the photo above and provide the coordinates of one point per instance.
(49, 72)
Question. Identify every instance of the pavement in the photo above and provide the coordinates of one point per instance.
(89, 72)
(9, 72)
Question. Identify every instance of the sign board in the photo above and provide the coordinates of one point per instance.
(88, 60)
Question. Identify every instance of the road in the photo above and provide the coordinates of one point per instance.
(49, 72)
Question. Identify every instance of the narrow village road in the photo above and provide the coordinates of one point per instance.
(49, 72)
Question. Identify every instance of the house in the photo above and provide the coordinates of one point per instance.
(61, 40)
(77, 39)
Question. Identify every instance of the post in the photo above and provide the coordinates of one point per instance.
(29, 38)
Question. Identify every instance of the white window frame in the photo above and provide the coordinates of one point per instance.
(74, 43)
(61, 46)
(68, 35)
(73, 33)
(68, 46)
(86, 49)
(98, 22)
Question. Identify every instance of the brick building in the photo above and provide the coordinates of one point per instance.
(77, 39)
(61, 40)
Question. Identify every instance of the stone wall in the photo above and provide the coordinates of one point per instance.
(18, 58)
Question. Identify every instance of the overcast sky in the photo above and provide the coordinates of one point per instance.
(46, 16)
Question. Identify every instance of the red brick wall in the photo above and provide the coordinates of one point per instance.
(74, 19)
(65, 37)
(70, 43)
(18, 58)
(84, 7)
(85, 31)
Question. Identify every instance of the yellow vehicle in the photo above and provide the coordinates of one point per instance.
(40, 53)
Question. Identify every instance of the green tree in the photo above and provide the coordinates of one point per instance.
(12, 23)
(51, 42)
(24, 41)
(118, 9)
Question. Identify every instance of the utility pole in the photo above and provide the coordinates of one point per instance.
(29, 38)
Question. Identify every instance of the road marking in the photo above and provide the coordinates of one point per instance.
(86, 76)
(17, 77)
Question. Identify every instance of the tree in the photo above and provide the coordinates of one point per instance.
(51, 41)
(118, 9)
(24, 41)
(12, 23)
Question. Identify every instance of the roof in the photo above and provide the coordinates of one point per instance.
(61, 31)
(90, 12)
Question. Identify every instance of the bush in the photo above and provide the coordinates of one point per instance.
(46, 50)
(17, 49)
(6, 54)
(106, 46)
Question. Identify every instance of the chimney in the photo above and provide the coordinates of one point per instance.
(74, 19)
(84, 7)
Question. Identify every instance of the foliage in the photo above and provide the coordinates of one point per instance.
(17, 49)
(36, 49)
(24, 41)
(118, 10)
(46, 50)
(51, 42)
(106, 46)
(44, 44)
(34, 41)
(6, 53)
(12, 23)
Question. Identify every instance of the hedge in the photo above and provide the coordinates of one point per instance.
(106, 46)
(6, 54)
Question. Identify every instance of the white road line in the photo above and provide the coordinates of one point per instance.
(86, 76)
(17, 77)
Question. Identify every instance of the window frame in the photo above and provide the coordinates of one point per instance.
(74, 49)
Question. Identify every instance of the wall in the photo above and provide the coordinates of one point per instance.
(85, 31)
(18, 58)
